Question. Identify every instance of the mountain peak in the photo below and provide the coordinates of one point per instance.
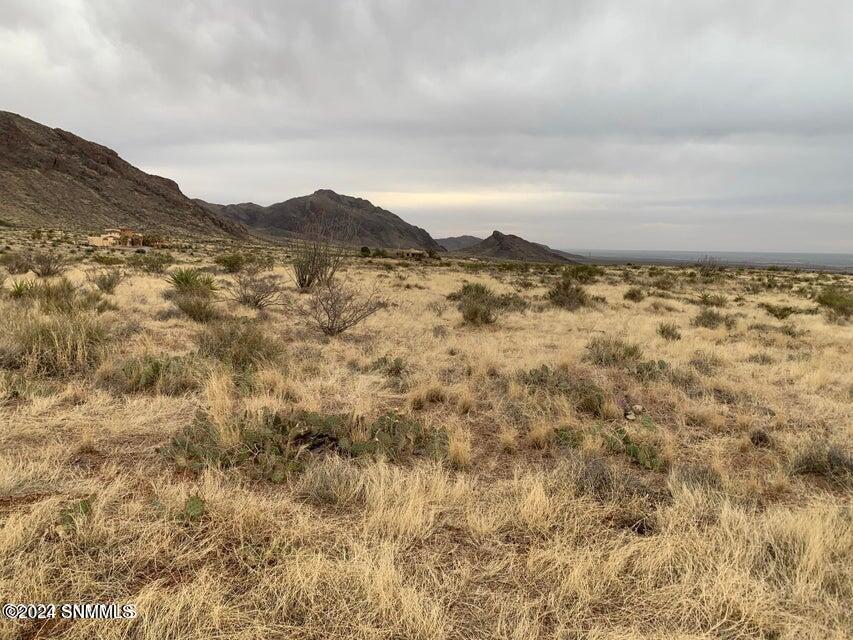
(502, 246)
(372, 226)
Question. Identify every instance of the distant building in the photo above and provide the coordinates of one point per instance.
(116, 238)
(411, 253)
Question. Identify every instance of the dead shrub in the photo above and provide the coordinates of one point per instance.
(255, 291)
(47, 264)
(334, 307)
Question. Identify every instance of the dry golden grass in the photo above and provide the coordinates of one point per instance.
(698, 500)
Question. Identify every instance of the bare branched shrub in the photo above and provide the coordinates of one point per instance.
(253, 290)
(335, 306)
(320, 251)
(47, 264)
(709, 267)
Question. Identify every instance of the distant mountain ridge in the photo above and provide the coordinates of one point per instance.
(502, 246)
(50, 177)
(458, 242)
(371, 225)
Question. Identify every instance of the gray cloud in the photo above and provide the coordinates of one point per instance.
(644, 124)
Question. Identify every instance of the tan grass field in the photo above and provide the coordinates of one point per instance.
(547, 504)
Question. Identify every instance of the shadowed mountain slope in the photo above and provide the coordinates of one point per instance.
(368, 224)
(458, 242)
(50, 177)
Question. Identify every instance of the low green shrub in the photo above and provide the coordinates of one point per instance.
(608, 351)
(275, 444)
(837, 301)
(634, 294)
(480, 305)
(642, 453)
(711, 319)
(567, 294)
(712, 300)
(582, 273)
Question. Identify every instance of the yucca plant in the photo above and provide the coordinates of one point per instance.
(195, 281)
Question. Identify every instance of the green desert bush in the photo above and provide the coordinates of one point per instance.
(107, 260)
(274, 443)
(837, 301)
(191, 281)
(231, 262)
(634, 294)
(239, 261)
(643, 453)
(582, 273)
(240, 344)
(711, 319)
(480, 305)
(608, 351)
(569, 295)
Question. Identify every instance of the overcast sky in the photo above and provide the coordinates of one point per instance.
(687, 124)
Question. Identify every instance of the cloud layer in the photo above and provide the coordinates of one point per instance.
(603, 124)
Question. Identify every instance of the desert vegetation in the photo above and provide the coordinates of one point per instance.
(322, 445)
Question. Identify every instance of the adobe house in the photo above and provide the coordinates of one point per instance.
(116, 238)
(411, 253)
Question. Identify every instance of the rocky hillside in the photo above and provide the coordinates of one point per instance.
(458, 242)
(53, 178)
(366, 223)
(501, 246)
